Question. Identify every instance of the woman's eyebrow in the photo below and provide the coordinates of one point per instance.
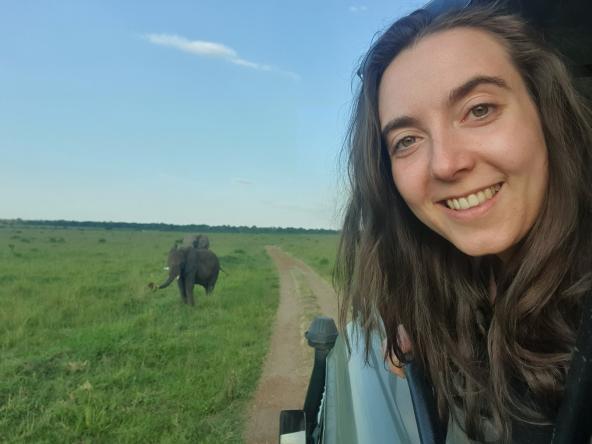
(463, 90)
(398, 122)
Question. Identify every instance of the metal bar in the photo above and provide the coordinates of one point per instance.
(430, 428)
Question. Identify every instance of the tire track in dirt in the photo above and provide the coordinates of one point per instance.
(286, 370)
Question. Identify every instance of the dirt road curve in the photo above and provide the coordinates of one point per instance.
(287, 367)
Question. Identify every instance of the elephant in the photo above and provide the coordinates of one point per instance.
(196, 241)
(193, 266)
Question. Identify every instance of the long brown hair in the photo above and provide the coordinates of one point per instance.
(502, 360)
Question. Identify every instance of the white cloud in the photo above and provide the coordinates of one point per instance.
(358, 8)
(197, 47)
(211, 49)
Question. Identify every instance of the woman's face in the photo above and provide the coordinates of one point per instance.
(466, 145)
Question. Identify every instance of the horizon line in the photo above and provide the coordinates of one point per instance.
(90, 222)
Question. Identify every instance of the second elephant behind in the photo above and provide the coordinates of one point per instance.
(196, 241)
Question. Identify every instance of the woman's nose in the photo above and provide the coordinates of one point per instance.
(451, 156)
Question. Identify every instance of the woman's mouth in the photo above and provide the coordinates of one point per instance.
(473, 199)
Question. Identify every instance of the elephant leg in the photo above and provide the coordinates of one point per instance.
(181, 285)
(212, 282)
(189, 291)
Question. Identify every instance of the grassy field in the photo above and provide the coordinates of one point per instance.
(90, 354)
(318, 251)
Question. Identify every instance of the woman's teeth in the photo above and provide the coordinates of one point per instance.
(472, 200)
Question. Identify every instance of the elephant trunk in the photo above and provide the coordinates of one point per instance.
(173, 273)
(166, 283)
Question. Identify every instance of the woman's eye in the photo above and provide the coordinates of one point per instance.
(405, 142)
(481, 110)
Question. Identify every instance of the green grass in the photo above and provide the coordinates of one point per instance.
(90, 354)
(316, 250)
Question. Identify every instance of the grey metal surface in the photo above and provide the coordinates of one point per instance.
(365, 403)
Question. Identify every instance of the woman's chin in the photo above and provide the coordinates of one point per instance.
(486, 248)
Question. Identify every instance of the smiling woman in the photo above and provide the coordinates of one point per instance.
(475, 129)
(470, 215)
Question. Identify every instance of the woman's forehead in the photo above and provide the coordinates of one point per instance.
(438, 63)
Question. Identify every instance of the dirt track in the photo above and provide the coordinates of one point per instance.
(287, 367)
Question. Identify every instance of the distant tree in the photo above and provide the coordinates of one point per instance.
(192, 228)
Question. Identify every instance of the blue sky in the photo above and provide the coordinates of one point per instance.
(181, 111)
